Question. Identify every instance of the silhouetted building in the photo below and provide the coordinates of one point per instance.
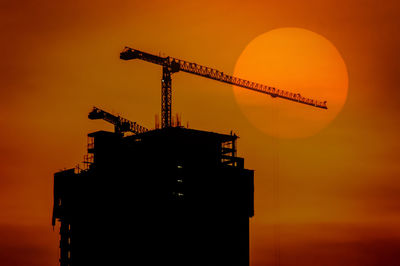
(172, 196)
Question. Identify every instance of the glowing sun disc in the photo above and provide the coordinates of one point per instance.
(299, 61)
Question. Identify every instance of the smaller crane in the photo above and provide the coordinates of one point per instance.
(121, 124)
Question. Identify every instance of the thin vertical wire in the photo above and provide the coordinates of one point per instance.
(276, 189)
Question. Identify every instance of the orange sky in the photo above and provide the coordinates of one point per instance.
(335, 194)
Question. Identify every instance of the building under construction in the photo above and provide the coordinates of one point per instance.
(170, 196)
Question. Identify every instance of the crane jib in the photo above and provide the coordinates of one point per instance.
(121, 124)
(220, 76)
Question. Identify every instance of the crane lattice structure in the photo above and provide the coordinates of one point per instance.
(171, 65)
(120, 124)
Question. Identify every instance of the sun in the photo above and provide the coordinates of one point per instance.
(295, 60)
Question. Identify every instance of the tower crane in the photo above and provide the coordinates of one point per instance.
(172, 65)
(120, 124)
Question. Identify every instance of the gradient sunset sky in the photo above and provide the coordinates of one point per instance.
(332, 199)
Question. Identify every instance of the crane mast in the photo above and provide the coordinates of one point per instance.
(171, 65)
(120, 124)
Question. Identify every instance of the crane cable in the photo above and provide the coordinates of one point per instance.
(276, 188)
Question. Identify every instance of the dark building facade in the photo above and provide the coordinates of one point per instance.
(172, 196)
